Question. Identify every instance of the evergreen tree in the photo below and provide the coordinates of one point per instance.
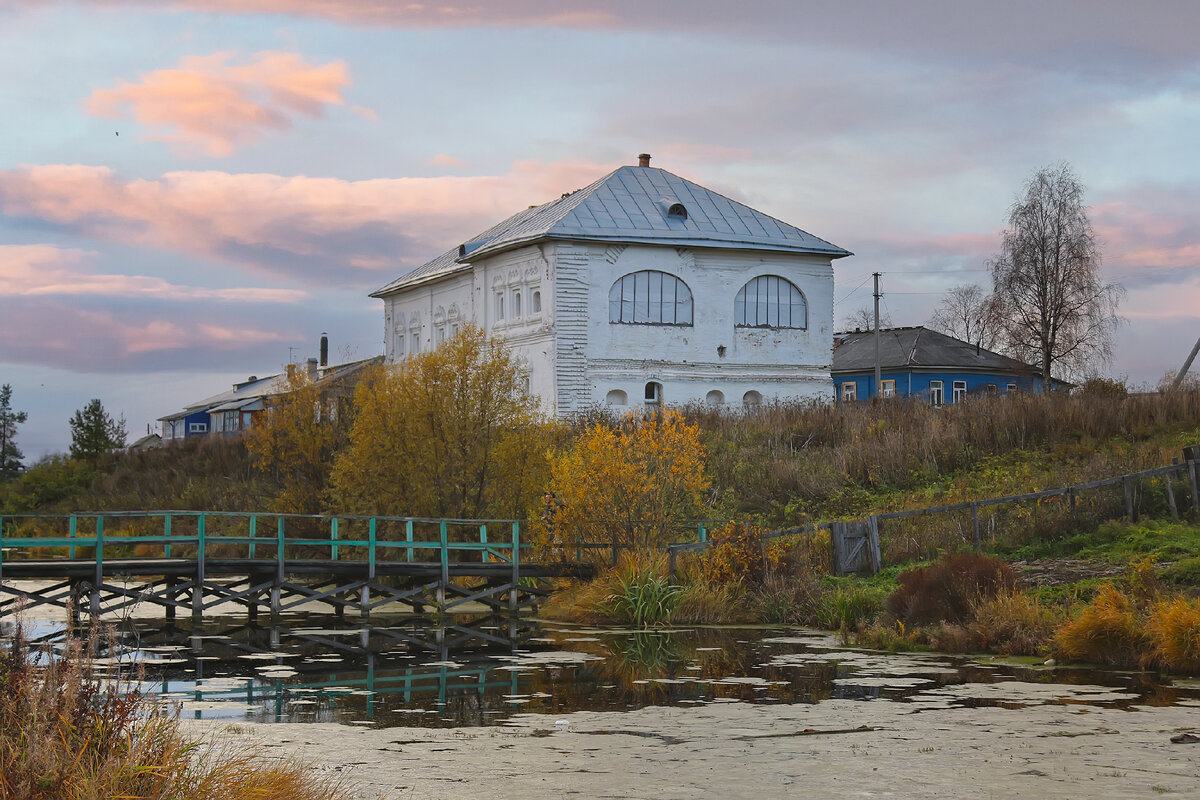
(94, 432)
(10, 455)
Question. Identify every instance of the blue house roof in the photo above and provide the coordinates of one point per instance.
(630, 205)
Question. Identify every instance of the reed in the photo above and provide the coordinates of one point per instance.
(72, 731)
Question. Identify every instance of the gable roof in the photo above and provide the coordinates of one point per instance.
(630, 205)
(902, 348)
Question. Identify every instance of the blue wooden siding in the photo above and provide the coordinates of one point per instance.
(916, 384)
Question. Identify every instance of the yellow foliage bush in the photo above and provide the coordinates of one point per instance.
(736, 554)
(449, 433)
(1012, 623)
(628, 486)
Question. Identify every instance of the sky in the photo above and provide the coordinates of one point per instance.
(193, 191)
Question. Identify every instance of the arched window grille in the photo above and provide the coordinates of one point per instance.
(770, 301)
(650, 297)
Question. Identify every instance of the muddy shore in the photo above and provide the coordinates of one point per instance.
(836, 748)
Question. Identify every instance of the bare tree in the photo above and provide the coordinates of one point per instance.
(863, 318)
(1054, 309)
(968, 312)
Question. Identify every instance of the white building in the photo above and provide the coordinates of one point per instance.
(642, 288)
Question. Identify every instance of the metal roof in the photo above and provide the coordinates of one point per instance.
(903, 348)
(630, 205)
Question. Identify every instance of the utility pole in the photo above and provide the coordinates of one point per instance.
(878, 375)
(1186, 366)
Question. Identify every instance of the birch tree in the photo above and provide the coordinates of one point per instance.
(968, 312)
(1054, 308)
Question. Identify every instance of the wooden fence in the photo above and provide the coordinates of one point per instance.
(857, 547)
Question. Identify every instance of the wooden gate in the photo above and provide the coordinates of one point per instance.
(855, 547)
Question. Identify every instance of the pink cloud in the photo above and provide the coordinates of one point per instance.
(208, 105)
(44, 270)
(444, 160)
(315, 229)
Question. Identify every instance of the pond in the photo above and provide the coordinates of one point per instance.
(491, 671)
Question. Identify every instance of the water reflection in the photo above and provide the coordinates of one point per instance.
(481, 671)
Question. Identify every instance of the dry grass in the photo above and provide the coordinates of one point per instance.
(1013, 623)
(1110, 630)
(68, 731)
(1174, 629)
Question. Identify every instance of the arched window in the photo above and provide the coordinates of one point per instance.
(616, 397)
(752, 399)
(715, 397)
(537, 302)
(650, 297)
(770, 301)
(653, 395)
(516, 305)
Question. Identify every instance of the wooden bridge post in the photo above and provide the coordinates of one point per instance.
(98, 578)
(333, 537)
(364, 607)
(277, 588)
(445, 552)
(253, 534)
(167, 535)
(73, 526)
(514, 599)
(483, 541)
(198, 589)
(408, 537)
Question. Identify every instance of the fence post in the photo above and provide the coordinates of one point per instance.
(1129, 498)
(1192, 480)
(702, 533)
(975, 527)
(483, 541)
(73, 526)
(253, 533)
(408, 537)
(333, 537)
(835, 542)
(1171, 497)
(167, 533)
(98, 578)
(873, 549)
(671, 554)
(1071, 498)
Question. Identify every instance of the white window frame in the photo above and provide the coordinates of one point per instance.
(1012, 387)
(937, 393)
(887, 387)
(959, 389)
(197, 427)
(652, 395)
(850, 391)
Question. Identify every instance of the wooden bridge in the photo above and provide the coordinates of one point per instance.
(105, 563)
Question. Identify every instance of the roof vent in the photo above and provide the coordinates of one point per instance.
(643, 159)
(674, 210)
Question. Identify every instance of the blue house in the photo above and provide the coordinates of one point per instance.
(923, 363)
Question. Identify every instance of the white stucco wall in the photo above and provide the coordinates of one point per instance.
(575, 357)
(689, 361)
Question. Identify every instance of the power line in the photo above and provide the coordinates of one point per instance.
(846, 296)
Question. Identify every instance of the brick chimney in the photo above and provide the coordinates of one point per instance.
(643, 159)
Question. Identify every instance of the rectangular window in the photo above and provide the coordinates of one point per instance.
(399, 345)
(960, 391)
(1012, 387)
(849, 391)
(499, 308)
(887, 388)
(197, 427)
(537, 302)
(937, 394)
(440, 334)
